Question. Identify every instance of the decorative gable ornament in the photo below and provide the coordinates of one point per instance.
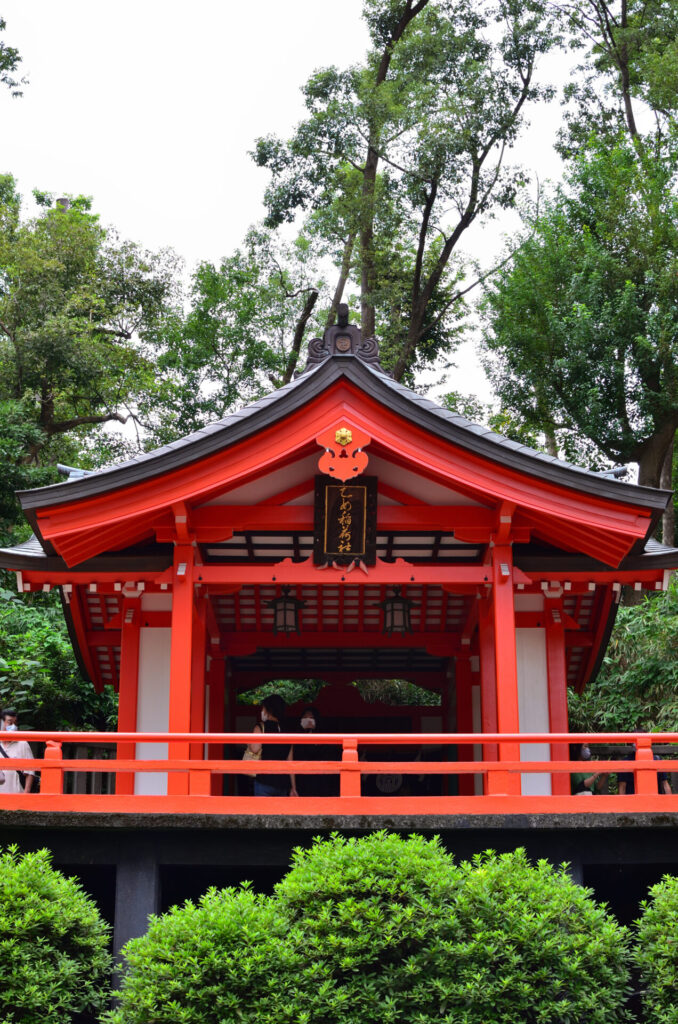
(343, 457)
(343, 339)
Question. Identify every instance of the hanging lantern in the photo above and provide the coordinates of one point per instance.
(285, 612)
(397, 613)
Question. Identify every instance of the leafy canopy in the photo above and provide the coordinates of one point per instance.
(637, 687)
(80, 312)
(406, 151)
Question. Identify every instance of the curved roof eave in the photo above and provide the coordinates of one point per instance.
(421, 411)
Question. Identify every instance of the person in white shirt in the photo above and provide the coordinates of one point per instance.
(10, 747)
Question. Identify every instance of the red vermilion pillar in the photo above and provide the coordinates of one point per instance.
(557, 690)
(216, 711)
(508, 717)
(181, 661)
(128, 688)
(488, 677)
(199, 781)
(463, 681)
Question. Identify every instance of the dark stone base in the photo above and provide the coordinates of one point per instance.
(155, 860)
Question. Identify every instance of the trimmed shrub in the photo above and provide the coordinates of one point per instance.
(369, 913)
(530, 945)
(225, 958)
(54, 958)
(384, 930)
(401, 933)
(656, 952)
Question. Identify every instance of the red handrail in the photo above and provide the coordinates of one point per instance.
(502, 777)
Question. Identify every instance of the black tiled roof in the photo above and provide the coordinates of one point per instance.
(416, 408)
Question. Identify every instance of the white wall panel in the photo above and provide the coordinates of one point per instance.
(533, 704)
(153, 704)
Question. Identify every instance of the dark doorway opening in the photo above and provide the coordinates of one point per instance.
(98, 881)
(623, 886)
(179, 883)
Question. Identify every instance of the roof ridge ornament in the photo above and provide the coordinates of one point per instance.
(343, 339)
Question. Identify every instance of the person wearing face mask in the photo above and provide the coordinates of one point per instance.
(314, 785)
(272, 714)
(626, 780)
(587, 782)
(13, 782)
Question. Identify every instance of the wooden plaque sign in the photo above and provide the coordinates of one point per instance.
(345, 520)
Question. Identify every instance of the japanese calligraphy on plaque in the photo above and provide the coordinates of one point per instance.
(345, 521)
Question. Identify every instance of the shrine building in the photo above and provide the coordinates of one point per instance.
(341, 528)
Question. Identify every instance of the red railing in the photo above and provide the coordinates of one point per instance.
(193, 783)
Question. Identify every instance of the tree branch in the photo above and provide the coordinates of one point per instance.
(343, 278)
(299, 335)
(61, 426)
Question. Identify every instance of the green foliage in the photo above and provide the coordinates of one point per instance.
(291, 691)
(236, 342)
(397, 692)
(630, 63)
(403, 152)
(19, 434)
(656, 952)
(389, 930)
(226, 958)
(397, 929)
(533, 946)
(53, 944)
(385, 691)
(637, 686)
(500, 421)
(582, 325)
(81, 313)
(9, 64)
(38, 672)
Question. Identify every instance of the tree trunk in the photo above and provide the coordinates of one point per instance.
(367, 269)
(341, 283)
(651, 455)
(666, 481)
(293, 357)
(408, 13)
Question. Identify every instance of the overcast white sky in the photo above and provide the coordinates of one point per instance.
(152, 106)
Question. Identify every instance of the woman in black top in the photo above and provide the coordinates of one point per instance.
(314, 785)
(272, 713)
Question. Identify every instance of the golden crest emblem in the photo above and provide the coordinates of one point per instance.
(343, 436)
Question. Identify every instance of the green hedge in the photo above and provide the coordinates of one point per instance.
(656, 952)
(385, 930)
(54, 959)
(215, 961)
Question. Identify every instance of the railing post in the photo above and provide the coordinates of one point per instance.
(199, 783)
(52, 779)
(646, 781)
(349, 784)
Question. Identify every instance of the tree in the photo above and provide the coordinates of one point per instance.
(9, 65)
(53, 944)
(409, 148)
(238, 339)
(637, 687)
(583, 324)
(38, 672)
(80, 312)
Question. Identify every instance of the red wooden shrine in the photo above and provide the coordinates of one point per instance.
(510, 564)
